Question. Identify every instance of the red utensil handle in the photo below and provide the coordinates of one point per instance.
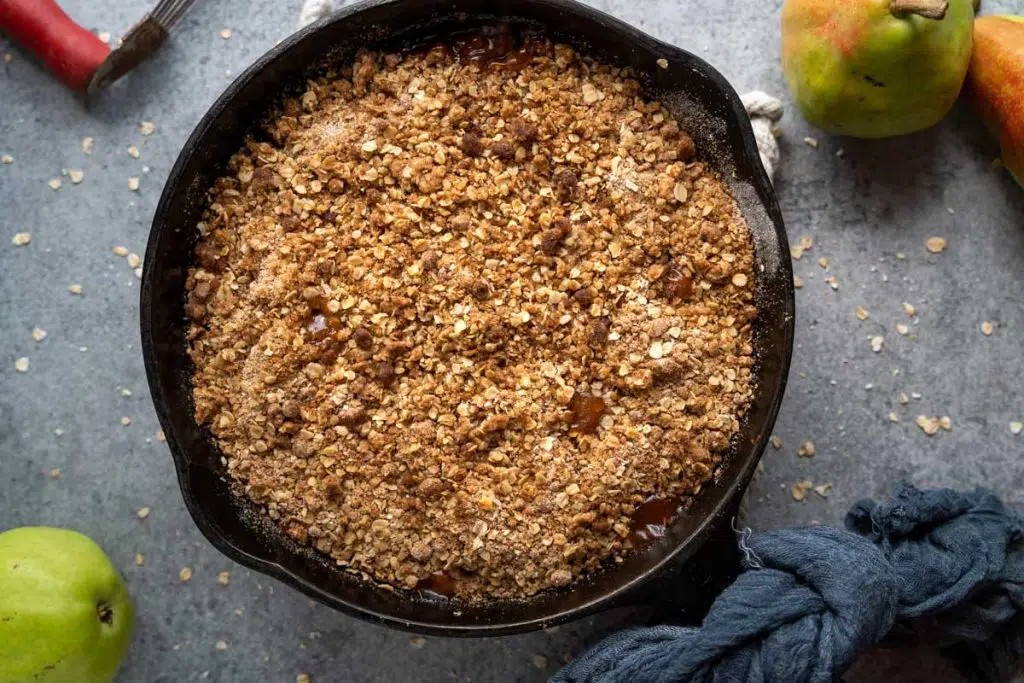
(69, 51)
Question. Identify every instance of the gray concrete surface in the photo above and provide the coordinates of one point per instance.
(869, 211)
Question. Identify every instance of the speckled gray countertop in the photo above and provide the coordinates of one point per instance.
(869, 211)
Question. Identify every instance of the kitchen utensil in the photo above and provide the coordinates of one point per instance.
(713, 114)
(76, 56)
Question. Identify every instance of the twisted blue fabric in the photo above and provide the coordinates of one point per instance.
(946, 563)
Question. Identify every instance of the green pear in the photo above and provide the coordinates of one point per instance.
(65, 612)
(876, 68)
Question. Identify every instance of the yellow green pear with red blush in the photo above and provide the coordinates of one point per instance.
(995, 83)
(876, 68)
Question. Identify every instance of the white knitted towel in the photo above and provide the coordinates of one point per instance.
(313, 10)
(764, 111)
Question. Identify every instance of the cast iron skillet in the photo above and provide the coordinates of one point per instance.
(706, 105)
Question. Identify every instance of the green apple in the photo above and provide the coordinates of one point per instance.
(65, 612)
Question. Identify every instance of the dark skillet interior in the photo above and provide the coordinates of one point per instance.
(705, 105)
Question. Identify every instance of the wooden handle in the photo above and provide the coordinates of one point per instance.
(69, 51)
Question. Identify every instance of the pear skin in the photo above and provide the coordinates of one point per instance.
(995, 83)
(876, 68)
(65, 612)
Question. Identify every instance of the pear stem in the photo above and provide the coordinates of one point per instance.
(929, 9)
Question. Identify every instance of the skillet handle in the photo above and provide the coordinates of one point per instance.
(68, 51)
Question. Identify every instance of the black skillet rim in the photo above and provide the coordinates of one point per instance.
(617, 594)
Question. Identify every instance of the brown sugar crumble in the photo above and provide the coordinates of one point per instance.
(456, 321)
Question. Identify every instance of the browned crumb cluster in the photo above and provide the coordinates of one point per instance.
(458, 320)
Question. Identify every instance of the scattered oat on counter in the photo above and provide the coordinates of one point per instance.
(134, 261)
(833, 282)
(143, 513)
(87, 145)
(224, 578)
(7, 159)
(798, 282)
(225, 33)
(75, 289)
(935, 244)
(147, 128)
(807, 450)
(417, 642)
(160, 436)
(811, 142)
(1016, 427)
(904, 399)
(823, 262)
(125, 421)
(120, 251)
(776, 442)
(76, 175)
(902, 329)
(799, 489)
(38, 334)
(877, 342)
(909, 309)
(220, 645)
(987, 328)
(185, 574)
(140, 559)
(540, 661)
(823, 490)
(303, 678)
(138, 273)
(104, 37)
(663, 63)
(55, 473)
(21, 239)
(54, 183)
(928, 425)
(133, 151)
(796, 252)
(126, 392)
(946, 423)
(861, 313)
(893, 417)
(22, 364)
(133, 183)
(806, 242)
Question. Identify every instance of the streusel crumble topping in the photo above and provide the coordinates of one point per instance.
(454, 321)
